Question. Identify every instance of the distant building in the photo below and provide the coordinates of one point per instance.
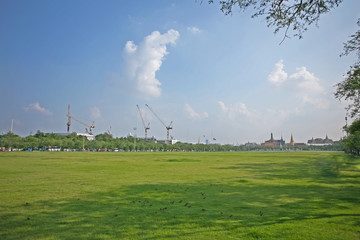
(63, 134)
(171, 141)
(320, 141)
(89, 136)
(150, 139)
(251, 144)
(273, 142)
(292, 143)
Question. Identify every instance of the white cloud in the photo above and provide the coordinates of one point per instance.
(298, 111)
(36, 107)
(222, 106)
(318, 102)
(278, 75)
(309, 88)
(193, 30)
(144, 60)
(194, 115)
(309, 81)
(266, 119)
(239, 108)
(304, 85)
(274, 118)
(95, 112)
(130, 47)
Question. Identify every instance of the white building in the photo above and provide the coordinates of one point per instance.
(171, 141)
(89, 137)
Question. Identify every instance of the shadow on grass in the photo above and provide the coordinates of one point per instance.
(327, 169)
(153, 211)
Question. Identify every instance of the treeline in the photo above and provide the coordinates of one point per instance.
(46, 141)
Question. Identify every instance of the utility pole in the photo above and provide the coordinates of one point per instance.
(2, 141)
(135, 139)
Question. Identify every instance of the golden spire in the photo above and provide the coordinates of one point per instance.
(292, 143)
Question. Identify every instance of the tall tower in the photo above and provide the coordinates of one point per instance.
(292, 143)
(272, 137)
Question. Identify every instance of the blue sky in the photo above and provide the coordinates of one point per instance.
(223, 77)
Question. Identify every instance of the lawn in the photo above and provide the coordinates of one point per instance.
(235, 195)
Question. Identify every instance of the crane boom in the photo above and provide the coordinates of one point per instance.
(71, 117)
(142, 119)
(86, 125)
(168, 128)
(156, 115)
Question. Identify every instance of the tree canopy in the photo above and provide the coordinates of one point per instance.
(351, 143)
(294, 15)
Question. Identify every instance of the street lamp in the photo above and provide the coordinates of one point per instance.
(2, 141)
(346, 126)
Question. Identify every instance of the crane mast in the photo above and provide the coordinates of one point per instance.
(69, 119)
(146, 127)
(168, 128)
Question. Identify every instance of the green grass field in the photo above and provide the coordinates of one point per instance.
(245, 195)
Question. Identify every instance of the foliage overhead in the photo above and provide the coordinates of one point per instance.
(295, 15)
(353, 45)
(349, 89)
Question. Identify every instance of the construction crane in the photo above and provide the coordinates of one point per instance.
(146, 127)
(71, 117)
(12, 124)
(168, 128)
